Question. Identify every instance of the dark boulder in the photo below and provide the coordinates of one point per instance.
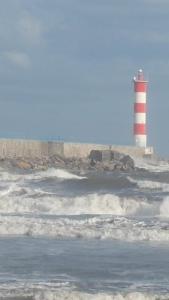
(128, 163)
(95, 155)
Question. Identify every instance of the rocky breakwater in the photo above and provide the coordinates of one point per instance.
(97, 160)
(109, 160)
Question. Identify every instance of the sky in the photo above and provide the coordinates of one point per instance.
(66, 69)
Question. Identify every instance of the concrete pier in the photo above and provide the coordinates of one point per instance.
(15, 148)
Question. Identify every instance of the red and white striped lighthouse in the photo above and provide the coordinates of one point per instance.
(140, 88)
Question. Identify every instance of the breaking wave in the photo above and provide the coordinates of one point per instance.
(54, 173)
(164, 208)
(55, 205)
(113, 228)
(152, 165)
(27, 209)
(100, 296)
(50, 173)
(45, 293)
(150, 184)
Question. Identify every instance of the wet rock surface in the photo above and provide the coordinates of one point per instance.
(117, 162)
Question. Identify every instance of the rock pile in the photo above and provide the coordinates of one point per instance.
(97, 160)
(111, 160)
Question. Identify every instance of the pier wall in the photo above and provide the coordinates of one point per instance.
(29, 148)
(83, 150)
(13, 148)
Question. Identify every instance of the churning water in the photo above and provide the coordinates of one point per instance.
(93, 236)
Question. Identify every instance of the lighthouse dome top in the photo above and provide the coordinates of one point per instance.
(140, 75)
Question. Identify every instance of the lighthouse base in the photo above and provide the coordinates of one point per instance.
(141, 140)
(149, 151)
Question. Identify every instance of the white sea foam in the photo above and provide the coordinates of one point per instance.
(67, 290)
(75, 295)
(41, 293)
(150, 184)
(152, 165)
(164, 207)
(11, 180)
(53, 173)
(52, 204)
(113, 228)
(63, 174)
(7, 176)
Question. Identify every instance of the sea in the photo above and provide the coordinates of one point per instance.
(91, 235)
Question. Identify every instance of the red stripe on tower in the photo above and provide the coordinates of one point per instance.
(139, 129)
(140, 89)
(140, 107)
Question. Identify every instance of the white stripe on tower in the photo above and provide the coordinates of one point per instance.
(140, 97)
(140, 118)
(140, 88)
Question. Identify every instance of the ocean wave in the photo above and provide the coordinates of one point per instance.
(11, 178)
(53, 173)
(25, 200)
(164, 207)
(152, 165)
(41, 293)
(99, 296)
(6, 176)
(150, 184)
(14, 189)
(103, 228)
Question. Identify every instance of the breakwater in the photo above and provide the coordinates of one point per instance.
(14, 148)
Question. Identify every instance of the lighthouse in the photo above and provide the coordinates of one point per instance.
(140, 89)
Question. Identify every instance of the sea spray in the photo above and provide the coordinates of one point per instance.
(33, 202)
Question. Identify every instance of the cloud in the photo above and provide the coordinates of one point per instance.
(18, 58)
(30, 29)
